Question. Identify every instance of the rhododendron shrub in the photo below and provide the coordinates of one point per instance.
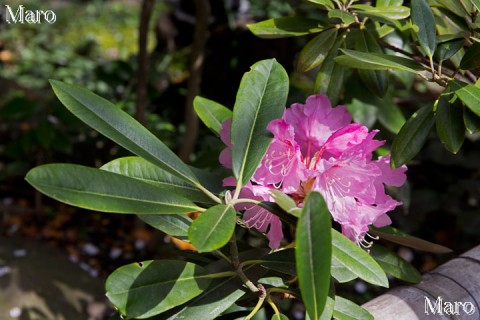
(317, 145)
(291, 172)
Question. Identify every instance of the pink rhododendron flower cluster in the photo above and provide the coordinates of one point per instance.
(316, 147)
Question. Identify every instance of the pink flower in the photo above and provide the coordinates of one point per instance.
(225, 157)
(317, 145)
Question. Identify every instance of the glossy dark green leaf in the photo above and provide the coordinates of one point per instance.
(348, 310)
(445, 50)
(390, 115)
(340, 272)
(314, 253)
(314, 53)
(175, 225)
(471, 58)
(471, 121)
(357, 260)
(145, 289)
(261, 98)
(388, 12)
(455, 7)
(285, 202)
(468, 93)
(141, 169)
(329, 306)
(330, 76)
(281, 261)
(118, 126)
(396, 236)
(375, 80)
(285, 27)
(422, 16)
(346, 17)
(394, 265)
(449, 123)
(211, 113)
(412, 136)
(213, 228)
(327, 4)
(376, 61)
(104, 191)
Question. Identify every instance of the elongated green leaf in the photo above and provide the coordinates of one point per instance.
(340, 272)
(285, 27)
(468, 93)
(330, 76)
(327, 4)
(329, 306)
(445, 50)
(375, 80)
(100, 190)
(396, 236)
(314, 53)
(471, 59)
(449, 123)
(279, 317)
(394, 265)
(347, 310)
(211, 113)
(376, 61)
(285, 202)
(388, 12)
(387, 3)
(281, 261)
(471, 121)
(261, 98)
(213, 228)
(118, 126)
(175, 225)
(476, 3)
(422, 16)
(412, 136)
(390, 115)
(313, 254)
(455, 7)
(357, 261)
(142, 290)
(141, 169)
(346, 17)
(220, 295)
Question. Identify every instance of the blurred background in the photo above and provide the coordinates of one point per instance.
(96, 44)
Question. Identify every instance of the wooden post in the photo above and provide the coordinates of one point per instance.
(451, 291)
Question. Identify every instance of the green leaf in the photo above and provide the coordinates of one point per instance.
(449, 122)
(282, 261)
(100, 190)
(279, 317)
(396, 236)
(142, 290)
(387, 12)
(387, 3)
(476, 3)
(394, 265)
(375, 80)
(285, 202)
(261, 98)
(330, 76)
(211, 113)
(313, 254)
(412, 136)
(471, 121)
(141, 169)
(327, 4)
(357, 261)
(390, 115)
(118, 126)
(220, 295)
(329, 306)
(346, 17)
(445, 50)
(347, 310)
(314, 53)
(285, 27)
(213, 228)
(455, 7)
(175, 225)
(340, 272)
(468, 93)
(376, 61)
(422, 16)
(471, 59)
